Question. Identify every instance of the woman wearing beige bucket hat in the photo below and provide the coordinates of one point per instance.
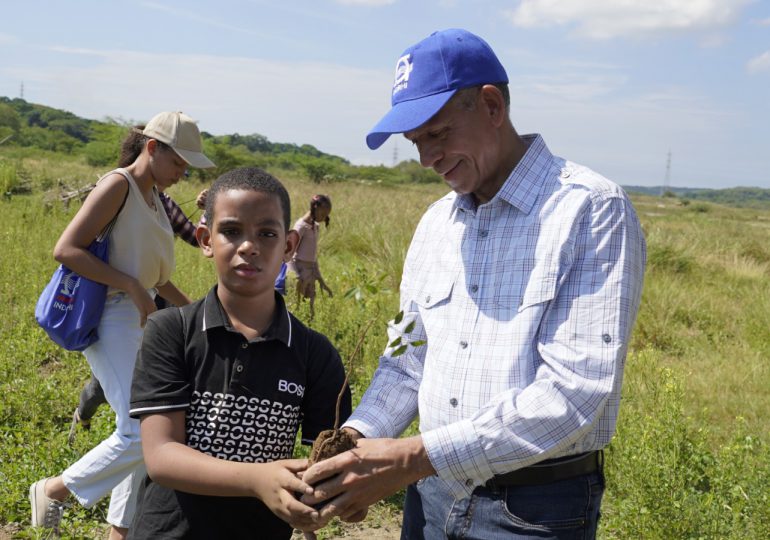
(141, 260)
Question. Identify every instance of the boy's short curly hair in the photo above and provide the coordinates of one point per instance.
(249, 179)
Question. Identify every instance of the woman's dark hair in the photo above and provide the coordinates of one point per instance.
(320, 200)
(133, 144)
(248, 179)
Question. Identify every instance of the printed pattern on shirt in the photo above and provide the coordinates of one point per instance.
(246, 429)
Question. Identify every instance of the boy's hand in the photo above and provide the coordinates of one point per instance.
(276, 484)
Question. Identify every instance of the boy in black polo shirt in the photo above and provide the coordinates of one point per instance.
(221, 386)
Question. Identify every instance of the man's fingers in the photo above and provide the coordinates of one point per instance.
(326, 468)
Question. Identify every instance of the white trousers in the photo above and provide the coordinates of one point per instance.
(116, 464)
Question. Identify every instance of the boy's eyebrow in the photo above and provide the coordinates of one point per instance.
(235, 221)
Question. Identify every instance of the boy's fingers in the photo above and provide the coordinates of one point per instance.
(296, 465)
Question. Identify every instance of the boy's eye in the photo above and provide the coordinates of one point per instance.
(269, 234)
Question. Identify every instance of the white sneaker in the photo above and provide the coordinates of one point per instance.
(46, 512)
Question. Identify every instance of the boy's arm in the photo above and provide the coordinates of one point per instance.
(173, 464)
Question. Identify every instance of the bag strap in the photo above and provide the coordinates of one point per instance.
(108, 228)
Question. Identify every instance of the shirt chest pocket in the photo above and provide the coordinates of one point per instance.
(433, 294)
(523, 283)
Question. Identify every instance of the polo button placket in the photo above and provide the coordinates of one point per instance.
(244, 345)
(453, 402)
(239, 368)
(463, 344)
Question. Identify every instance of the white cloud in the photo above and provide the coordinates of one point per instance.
(6, 38)
(759, 63)
(606, 19)
(763, 22)
(366, 2)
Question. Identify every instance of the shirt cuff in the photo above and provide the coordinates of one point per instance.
(368, 425)
(458, 457)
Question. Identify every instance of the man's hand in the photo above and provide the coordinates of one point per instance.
(276, 484)
(360, 477)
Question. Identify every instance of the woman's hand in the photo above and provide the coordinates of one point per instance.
(142, 300)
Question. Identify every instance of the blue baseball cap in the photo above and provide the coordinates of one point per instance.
(429, 73)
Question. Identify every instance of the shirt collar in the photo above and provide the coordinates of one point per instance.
(214, 316)
(527, 178)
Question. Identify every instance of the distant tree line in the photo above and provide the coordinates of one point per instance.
(742, 197)
(31, 125)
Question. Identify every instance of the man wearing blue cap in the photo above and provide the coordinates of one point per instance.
(524, 284)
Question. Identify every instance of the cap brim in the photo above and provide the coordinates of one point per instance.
(195, 159)
(406, 116)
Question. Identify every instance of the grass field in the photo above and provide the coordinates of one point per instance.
(690, 459)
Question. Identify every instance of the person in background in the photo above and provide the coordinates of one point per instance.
(222, 386)
(141, 261)
(304, 263)
(92, 394)
(519, 292)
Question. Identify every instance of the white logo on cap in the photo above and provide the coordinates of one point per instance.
(403, 69)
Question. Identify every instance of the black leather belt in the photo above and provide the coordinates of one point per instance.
(551, 470)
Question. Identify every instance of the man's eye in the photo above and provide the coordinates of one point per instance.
(270, 234)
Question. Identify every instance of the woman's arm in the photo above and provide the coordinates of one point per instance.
(99, 208)
(170, 292)
(171, 463)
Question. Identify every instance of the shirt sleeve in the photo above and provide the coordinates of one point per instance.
(160, 382)
(180, 224)
(396, 381)
(582, 344)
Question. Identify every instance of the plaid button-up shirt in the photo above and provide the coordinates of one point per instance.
(526, 303)
(180, 224)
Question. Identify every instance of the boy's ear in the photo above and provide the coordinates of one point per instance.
(203, 235)
(292, 241)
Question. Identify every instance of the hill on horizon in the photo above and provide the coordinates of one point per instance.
(30, 125)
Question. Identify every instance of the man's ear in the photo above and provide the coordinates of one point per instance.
(494, 104)
(292, 241)
(203, 235)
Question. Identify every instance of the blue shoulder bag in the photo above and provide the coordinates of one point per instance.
(70, 307)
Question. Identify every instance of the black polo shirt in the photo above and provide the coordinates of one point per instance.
(244, 401)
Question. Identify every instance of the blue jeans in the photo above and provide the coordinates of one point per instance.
(567, 509)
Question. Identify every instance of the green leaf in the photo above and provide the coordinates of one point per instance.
(399, 317)
(409, 327)
(418, 343)
(395, 342)
(398, 352)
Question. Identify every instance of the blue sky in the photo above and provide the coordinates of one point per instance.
(612, 84)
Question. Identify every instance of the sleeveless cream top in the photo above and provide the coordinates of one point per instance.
(142, 241)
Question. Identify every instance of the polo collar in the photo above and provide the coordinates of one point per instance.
(214, 316)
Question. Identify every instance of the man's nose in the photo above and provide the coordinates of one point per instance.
(430, 153)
